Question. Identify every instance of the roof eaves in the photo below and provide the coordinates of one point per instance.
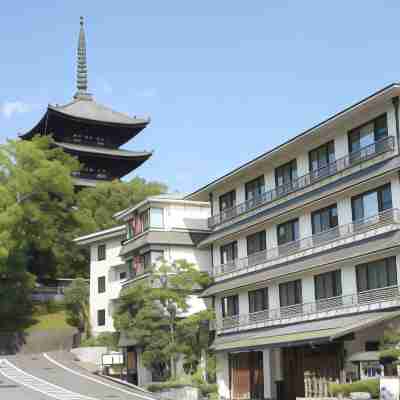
(293, 139)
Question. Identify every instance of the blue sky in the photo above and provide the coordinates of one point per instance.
(223, 81)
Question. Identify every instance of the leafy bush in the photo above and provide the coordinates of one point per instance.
(106, 339)
(157, 387)
(389, 355)
(367, 385)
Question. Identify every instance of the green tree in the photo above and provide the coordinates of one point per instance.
(153, 314)
(37, 201)
(98, 205)
(36, 217)
(76, 302)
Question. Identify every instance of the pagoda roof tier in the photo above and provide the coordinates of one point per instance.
(117, 162)
(87, 116)
(88, 109)
(104, 151)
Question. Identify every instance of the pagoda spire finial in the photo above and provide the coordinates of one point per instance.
(82, 72)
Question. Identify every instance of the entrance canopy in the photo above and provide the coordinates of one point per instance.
(325, 330)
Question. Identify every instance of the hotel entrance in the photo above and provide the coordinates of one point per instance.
(246, 375)
(326, 360)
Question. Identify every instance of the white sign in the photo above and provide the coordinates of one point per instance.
(113, 359)
(390, 388)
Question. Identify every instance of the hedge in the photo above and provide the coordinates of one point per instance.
(367, 385)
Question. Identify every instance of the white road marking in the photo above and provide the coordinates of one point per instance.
(96, 380)
(13, 373)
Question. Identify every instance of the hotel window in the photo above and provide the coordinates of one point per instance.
(321, 157)
(258, 300)
(131, 269)
(130, 232)
(256, 243)
(286, 174)
(101, 284)
(328, 284)
(101, 317)
(371, 203)
(122, 275)
(145, 220)
(324, 219)
(101, 252)
(288, 232)
(376, 274)
(229, 252)
(146, 260)
(255, 188)
(157, 217)
(230, 306)
(290, 293)
(368, 134)
(227, 200)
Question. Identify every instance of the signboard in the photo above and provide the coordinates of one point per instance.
(389, 388)
(112, 359)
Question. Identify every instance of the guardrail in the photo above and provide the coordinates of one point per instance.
(384, 218)
(366, 153)
(329, 307)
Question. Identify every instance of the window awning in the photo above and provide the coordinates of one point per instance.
(304, 333)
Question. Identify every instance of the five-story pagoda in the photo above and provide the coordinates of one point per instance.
(91, 131)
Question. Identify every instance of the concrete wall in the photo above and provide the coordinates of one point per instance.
(110, 268)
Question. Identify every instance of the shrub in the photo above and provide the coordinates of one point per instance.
(367, 385)
(106, 339)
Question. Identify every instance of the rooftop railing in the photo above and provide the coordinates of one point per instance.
(368, 300)
(366, 153)
(385, 218)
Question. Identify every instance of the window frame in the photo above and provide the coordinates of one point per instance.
(259, 188)
(101, 252)
(331, 218)
(379, 190)
(231, 196)
(225, 305)
(356, 130)
(260, 239)
(233, 248)
(252, 295)
(372, 269)
(101, 284)
(279, 173)
(335, 278)
(297, 295)
(101, 317)
(292, 221)
(329, 150)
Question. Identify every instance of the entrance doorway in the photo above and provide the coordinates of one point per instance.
(246, 375)
(326, 360)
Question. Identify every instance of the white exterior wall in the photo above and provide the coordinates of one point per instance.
(223, 374)
(110, 268)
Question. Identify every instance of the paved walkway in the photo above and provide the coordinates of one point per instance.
(57, 376)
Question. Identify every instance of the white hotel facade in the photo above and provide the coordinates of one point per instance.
(164, 227)
(305, 246)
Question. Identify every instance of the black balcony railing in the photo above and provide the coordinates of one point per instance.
(356, 157)
(244, 265)
(385, 297)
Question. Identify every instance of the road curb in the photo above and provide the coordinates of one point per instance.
(122, 382)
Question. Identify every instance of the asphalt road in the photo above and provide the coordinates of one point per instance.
(56, 376)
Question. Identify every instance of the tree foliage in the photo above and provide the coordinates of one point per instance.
(98, 205)
(152, 314)
(76, 302)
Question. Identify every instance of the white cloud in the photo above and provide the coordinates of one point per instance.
(9, 108)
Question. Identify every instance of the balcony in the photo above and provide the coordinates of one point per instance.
(133, 276)
(370, 300)
(91, 175)
(366, 153)
(383, 222)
